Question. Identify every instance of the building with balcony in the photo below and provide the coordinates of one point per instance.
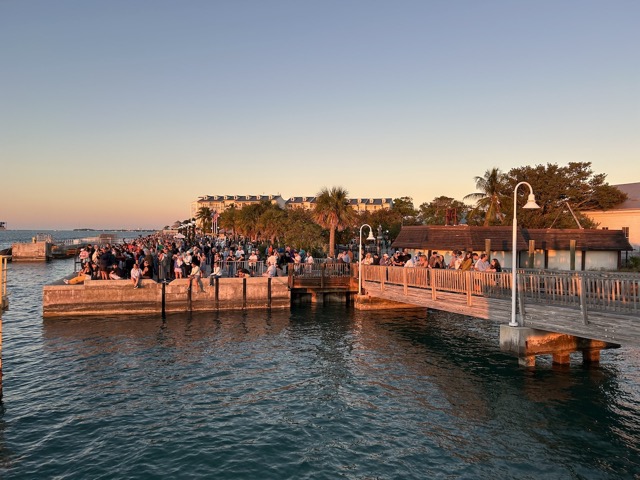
(219, 203)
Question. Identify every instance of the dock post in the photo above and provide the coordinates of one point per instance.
(244, 293)
(217, 293)
(164, 290)
(0, 354)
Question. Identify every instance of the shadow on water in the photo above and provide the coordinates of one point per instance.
(570, 409)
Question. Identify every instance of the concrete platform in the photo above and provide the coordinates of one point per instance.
(118, 297)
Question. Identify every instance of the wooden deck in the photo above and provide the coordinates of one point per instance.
(599, 306)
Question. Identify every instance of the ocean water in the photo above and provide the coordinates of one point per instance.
(304, 393)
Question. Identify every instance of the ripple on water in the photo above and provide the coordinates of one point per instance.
(307, 393)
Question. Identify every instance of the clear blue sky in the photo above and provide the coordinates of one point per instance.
(119, 113)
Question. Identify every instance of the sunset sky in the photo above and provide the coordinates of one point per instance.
(119, 113)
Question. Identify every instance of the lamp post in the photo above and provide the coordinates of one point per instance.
(370, 237)
(530, 205)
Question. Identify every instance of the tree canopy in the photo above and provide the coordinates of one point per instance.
(442, 211)
(556, 189)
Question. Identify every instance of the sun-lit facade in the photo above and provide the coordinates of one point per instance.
(219, 203)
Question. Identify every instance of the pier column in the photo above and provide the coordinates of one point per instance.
(527, 343)
(591, 356)
(0, 353)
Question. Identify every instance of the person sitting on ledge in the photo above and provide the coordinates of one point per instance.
(147, 270)
(136, 275)
(115, 273)
(82, 275)
(243, 272)
(217, 271)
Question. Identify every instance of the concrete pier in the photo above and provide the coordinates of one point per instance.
(31, 252)
(527, 343)
(118, 297)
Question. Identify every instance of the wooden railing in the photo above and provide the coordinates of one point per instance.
(320, 275)
(597, 291)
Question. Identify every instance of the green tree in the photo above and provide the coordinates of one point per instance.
(272, 223)
(489, 199)
(404, 207)
(435, 212)
(333, 212)
(554, 186)
(228, 220)
(301, 231)
(248, 220)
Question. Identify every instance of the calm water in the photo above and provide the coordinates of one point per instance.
(318, 393)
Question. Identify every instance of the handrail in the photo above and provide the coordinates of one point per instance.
(589, 291)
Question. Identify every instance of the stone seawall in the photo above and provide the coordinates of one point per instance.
(118, 297)
(31, 252)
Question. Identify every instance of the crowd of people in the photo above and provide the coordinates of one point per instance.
(164, 258)
(459, 260)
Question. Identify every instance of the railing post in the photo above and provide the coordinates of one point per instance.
(583, 301)
(290, 279)
(383, 274)
(520, 299)
(404, 280)
(434, 283)
(322, 271)
(469, 281)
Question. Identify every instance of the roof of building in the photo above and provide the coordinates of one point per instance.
(461, 237)
(370, 201)
(238, 198)
(633, 196)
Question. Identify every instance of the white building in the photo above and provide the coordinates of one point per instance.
(625, 217)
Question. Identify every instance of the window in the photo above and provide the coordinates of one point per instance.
(625, 230)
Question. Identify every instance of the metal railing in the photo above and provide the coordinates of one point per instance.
(231, 269)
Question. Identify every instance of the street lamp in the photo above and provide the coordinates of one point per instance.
(530, 205)
(369, 238)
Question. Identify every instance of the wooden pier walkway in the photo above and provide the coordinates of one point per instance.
(593, 305)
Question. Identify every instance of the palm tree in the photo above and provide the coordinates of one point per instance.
(332, 211)
(272, 223)
(488, 197)
(248, 220)
(228, 220)
(204, 215)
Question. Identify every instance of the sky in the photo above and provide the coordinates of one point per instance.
(120, 113)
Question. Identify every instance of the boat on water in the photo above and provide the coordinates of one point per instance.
(3, 225)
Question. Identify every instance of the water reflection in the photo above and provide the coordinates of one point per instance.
(339, 390)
